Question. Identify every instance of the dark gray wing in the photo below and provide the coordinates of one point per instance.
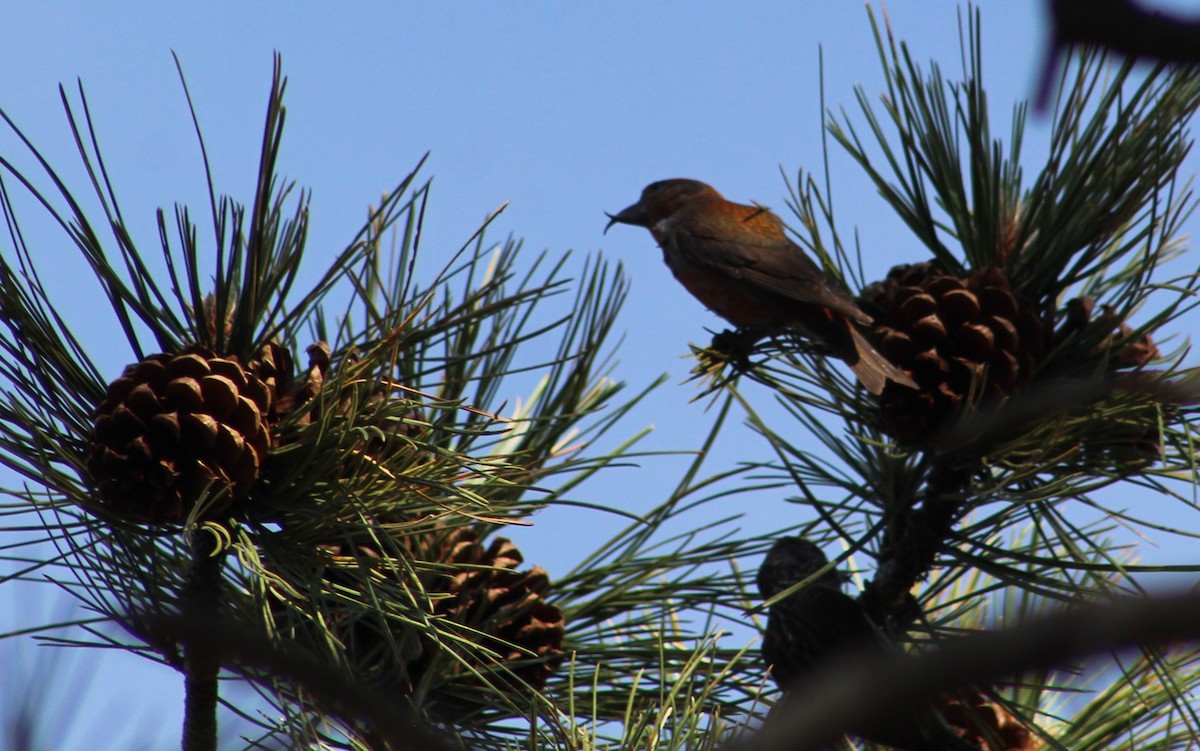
(775, 264)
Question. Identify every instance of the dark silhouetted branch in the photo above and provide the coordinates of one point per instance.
(386, 722)
(870, 693)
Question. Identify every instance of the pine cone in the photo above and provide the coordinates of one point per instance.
(1115, 336)
(960, 339)
(487, 593)
(275, 367)
(988, 725)
(1129, 442)
(173, 427)
(478, 587)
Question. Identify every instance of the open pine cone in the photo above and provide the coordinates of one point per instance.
(481, 588)
(1114, 336)
(175, 429)
(1131, 441)
(960, 339)
(988, 725)
(476, 586)
(274, 366)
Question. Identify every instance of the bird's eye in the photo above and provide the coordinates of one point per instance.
(652, 187)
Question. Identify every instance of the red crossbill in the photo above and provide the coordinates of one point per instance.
(737, 260)
(811, 630)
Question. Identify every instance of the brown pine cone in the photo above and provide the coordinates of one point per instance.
(988, 724)
(1114, 335)
(175, 429)
(483, 589)
(476, 586)
(961, 340)
(274, 366)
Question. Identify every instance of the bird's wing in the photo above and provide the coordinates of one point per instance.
(813, 628)
(760, 254)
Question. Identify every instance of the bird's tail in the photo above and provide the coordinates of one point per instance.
(872, 368)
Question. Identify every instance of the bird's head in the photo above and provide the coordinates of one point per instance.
(790, 561)
(660, 200)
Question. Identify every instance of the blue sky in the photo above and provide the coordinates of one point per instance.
(561, 110)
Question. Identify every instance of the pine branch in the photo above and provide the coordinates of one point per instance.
(366, 531)
(388, 723)
(202, 605)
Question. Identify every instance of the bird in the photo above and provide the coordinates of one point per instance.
(737, 260)
(813, 628)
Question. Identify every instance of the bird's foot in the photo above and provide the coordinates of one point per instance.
(737, 347)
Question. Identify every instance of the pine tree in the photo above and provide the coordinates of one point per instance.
(306, 489)
(986, 496)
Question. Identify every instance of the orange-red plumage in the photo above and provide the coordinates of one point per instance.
(737, 260)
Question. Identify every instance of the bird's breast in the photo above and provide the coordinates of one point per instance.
(740, 303)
